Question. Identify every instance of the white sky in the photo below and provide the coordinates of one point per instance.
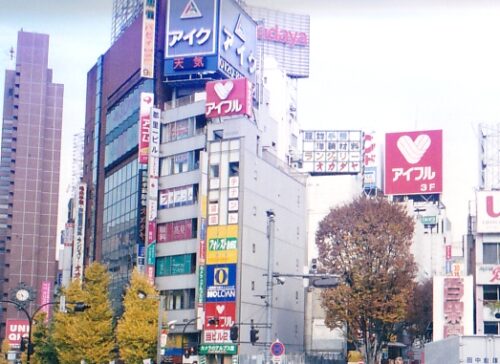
(382, 65)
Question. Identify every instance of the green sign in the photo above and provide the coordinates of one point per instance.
(151, 254)
(201, 283)
(428, 220)
(222, 244)
(231, 349)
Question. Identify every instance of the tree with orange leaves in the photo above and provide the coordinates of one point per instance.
(368, 243)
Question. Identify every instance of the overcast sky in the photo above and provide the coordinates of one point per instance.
(381, 65)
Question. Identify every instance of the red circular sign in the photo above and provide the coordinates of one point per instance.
(277, 348)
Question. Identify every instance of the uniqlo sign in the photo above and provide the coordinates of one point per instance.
(414, 162)
(488, 211)
(228, 97)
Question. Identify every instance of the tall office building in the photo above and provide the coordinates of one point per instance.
(29, 173)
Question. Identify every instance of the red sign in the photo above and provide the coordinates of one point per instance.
(414, 162)
(228, 97)
(45, 296)
(219, 315)
(279, 35)
(15, 330)
(175, 230)
(144, 125)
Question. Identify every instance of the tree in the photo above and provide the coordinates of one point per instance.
(5, 350)
(419, 314)
(137, 330)
(367, 242)
(45, 351)
(86, 335)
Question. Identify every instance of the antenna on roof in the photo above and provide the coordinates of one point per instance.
(11, 51)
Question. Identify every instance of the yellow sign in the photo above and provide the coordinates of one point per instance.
(222, 244)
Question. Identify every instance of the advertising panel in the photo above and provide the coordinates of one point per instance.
(488, 274)
(79, 230)
(488, 211)
(223, 315)
(221, 283)
(191, 36)
(15, 330)
(452, 306)
(222, 246)
(175, 230)
(146, 103)
(285, 36)
(414, 162)
(45, 297)
(332, 152)
(237, 42)
(148, 39)
(228, 97)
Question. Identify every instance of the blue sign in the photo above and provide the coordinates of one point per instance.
(191, 28)
(221, 283)
(277, 348)
(237, 42)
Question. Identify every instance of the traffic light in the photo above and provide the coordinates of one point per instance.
(253, 335)
(233, 333)
(80, 307)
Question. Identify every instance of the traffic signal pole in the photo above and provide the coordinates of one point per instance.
(270, 260)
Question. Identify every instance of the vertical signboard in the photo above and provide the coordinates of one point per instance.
(79, 231)
(152, 200)
(45, 297)
(146, 103)
(369, 162)
(452, 306)
(488, 211)
(228, 97)
(148, 39)
(414, 162)
(237, 42)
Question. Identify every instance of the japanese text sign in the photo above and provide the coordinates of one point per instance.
(453, 306)
(146, 104)
(221, 283)
(190, 28)
(228, 97)
(237, 41)
(414, 162)
(220, 315)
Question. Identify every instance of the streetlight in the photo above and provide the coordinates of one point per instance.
(143, 295)
(79, 307)
(186, 350)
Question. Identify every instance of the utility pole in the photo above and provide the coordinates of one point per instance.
(270, 260)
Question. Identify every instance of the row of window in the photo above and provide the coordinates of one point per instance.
(173, 265)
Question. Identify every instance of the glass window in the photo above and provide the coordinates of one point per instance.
(490, 293)
(175, 265)
(180, 299)
(490, 253)
(490, 328)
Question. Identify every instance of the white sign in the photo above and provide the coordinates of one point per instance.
(488, 211)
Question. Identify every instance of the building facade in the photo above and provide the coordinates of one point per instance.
(31, 140)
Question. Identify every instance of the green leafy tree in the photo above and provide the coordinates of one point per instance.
(45, 350)
(368, 243)
(137, 330)
(86, 335)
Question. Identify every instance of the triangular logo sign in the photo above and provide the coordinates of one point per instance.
(191, 11)
(238, 29)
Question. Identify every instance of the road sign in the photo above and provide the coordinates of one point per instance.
(277, 348)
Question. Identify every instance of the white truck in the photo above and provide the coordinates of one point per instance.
(464, 349)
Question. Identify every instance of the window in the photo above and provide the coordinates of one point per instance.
(491, 253)
(178, 196)
(180, 299)
(490, 328)
(180, 163)
(491, 293)
(182, 129)
(175, 265)
(234, 169)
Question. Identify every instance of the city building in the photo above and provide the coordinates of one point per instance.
(29, 170)
(156, 122)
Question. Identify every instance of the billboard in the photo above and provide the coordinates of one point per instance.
(221, 283)
(209, 36)
(332, 151)
(148, 39)
(488, 274)
(15, 330)
(219, 317)
(228, 97)
(285, 36)
(414, 162)
(452, 306)
(146, 103)
(79, 231)
(222, 244)
(488, 211)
